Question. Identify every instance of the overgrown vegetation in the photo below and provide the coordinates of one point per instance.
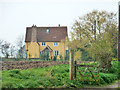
(51, 77)
(44, 56)
(95, 36)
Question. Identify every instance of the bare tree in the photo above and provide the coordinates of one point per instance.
(5, 49)
(1, 42)
(12, 50)
(21, 47)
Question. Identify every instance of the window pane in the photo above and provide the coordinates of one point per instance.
(55, 44)
(57, 53)
(43, 43)
(54, 53)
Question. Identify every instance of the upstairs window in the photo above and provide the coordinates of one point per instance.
(56, 53)
(55, 44)
(43, 44)
(47, 30)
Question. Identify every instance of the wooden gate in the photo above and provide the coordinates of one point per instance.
(86, 72)
(83, 71)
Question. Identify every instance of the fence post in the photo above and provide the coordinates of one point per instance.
(75, 69)
(71, 61)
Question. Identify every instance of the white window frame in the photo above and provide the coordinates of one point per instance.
(56, 53)
(55, 44)
(43, 44)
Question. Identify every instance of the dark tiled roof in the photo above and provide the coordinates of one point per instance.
(55, 34)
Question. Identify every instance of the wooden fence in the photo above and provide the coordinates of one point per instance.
(83, 70)
(86, 72)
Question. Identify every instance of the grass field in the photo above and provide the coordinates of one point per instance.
(51, 77)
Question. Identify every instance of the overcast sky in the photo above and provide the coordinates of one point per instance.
(16, 15)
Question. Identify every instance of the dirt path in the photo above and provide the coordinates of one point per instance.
(114, 85)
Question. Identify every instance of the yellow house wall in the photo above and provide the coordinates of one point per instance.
(33, 49)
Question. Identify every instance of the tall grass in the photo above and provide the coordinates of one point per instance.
(50, 77)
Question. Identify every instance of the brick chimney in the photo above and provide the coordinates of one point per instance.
(34, 33)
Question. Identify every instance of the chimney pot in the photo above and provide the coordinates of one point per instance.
(59, 25)
(33, 25)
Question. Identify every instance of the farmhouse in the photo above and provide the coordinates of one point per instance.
(49, 40)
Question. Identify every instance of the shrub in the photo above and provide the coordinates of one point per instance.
(61, 57)
(44, 56)
(51, 58)
(114, 68)
(102, 81)
(107, 77)
(66, 56)
(15, 71)
(29, 84)
(85, 56)
(118, 70)
(8, 84)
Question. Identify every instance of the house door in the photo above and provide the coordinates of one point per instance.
(48, 54)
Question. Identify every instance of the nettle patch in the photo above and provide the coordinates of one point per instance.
(51, 77)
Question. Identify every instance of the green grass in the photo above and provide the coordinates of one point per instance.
(49, 77)
(53, 76)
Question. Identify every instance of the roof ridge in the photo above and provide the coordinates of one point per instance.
(48, 26)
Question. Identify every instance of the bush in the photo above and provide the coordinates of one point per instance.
(44, 56)
(8, 84)
(15, 71)
(114, 68)
(29, 84)
(107, 78)
(85, 56)
(118, 70)
(61, 57)
(102, 81)
(67, 56)
(51, 58)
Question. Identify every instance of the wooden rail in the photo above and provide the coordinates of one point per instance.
(82, 73)
(92, 74)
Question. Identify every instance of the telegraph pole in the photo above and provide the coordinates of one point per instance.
(118, 48)
(95, 30)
